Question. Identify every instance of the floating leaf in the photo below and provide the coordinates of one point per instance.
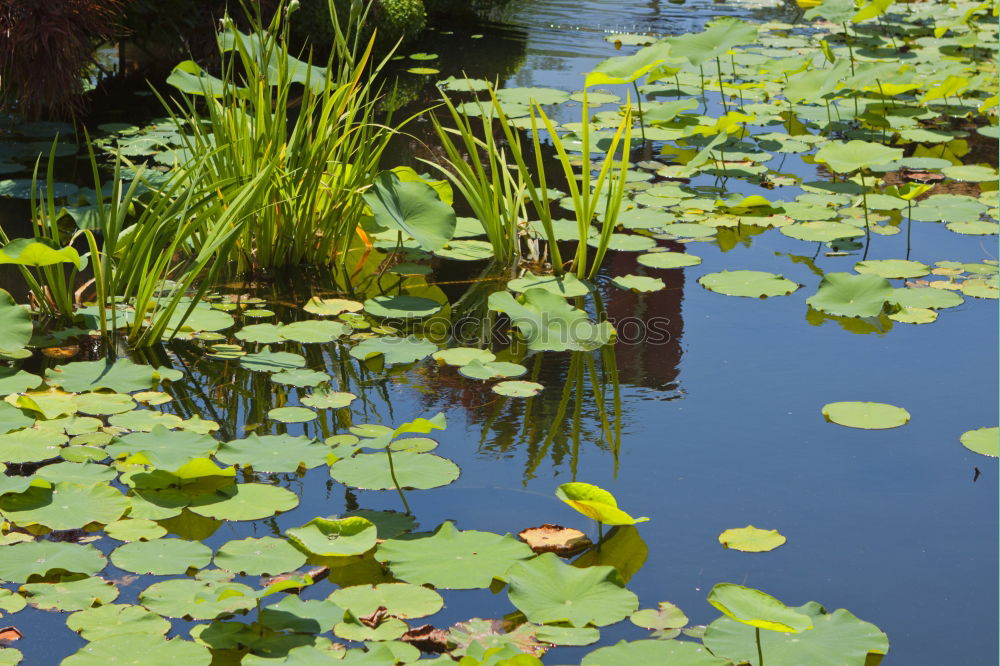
(751, 284)
(70, 595)
(64, 506)
(246, 501)
(300, 377)
(110, 620)
(291, 414)
(757, 609)
(451, 559)
(463, 355)
(665, 618)
(892, 268)
(134, 529)
(595, 503)
(255, 557)
(566, 285)
(331, 307)
(849, 156)
(922, 297)
(466, 250)
(23, 561)
(161, 557)
(546, 589)
(394, 349)
(122, 376)
(301, 616)
(674, 653)
(413, 208)
(548, 538)
(638, 283)
(835, 639)
(166, 449)
(197, 599)
(273, 453)
(30, 445)
(329, 537)
(549, 323)
(328, 399)
(751, 539)
(370, 471)
(668, 260)
(914, 316)
(401, 307)
(866, 415)
(402, 600)
(848, 295)
(269, 361)
(477, 369)
(516, 389)
(821, 231)
(983, 440)
(122, 650)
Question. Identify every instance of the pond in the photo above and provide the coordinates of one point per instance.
(706, 413)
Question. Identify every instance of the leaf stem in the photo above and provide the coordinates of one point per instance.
(760, 653)
(638, 100)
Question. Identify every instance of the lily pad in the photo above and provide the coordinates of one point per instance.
(403, 600)
(269, 361)
(122, 376)
(401, 307)
(331, 307)
(638, 283)
(757, 609)
(566, 285)
(122, 650)
(300, 377)
(517, 389)
(866, 415)
(197, 599)
(161, 557)
(452, 559)
(64, 506)
(394, 350)
(291, 414)
(750, 284)
(476, 369)
(463, 355)
(751, 539)
(259, 556)
(983, 440)
(847, 295)
(111, 620)
(70, 595)
(328, 537)
(246, 501)
(668, 260)
(22, 561)
(675, 653)
(370, 471)
(549, 323)
(546, 589)
(328, 399)
(162, 448)
(280, 454)
(821, 231)
(892, 268)
(923, 297)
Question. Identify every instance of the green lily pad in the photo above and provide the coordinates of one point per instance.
(22, 561)
(914, 316)
(757, 609)
(476, 369)
(675, 653)
(390, 524)
(628, 242)
(517, 389)
(821, 232)
(394, 350)
(566, 285)
(835, 639)
(134, 529)
(849, 156)
(463, 355)
(17, 381)
(161, 557)
(892, 268)
(549, 323)
(972, 173)
(145, 420)
(466, 250)
(668, 260)
(750, 284)
(866, 415)
(974, 227)
(197, 599)
(328, 399)
(847, 295)
(300, 377)
(924, 297)
(291, 414)
(401, 307)
(328, 537)
(110, 620)
(121, 376)
(86, 474)
(255, 557)
(162, 448)
(689, 230)
(546, 589)
(370, 471)
(64, 506)
(331, 307)
(595, 503)
(751, 539)
(543, 96)
(638, 283)
(948, 208)
(664, 618)
(280, 454)
(308, 617)
(451, 559)
(15, 326)
(72, 595)
(402, 600)
(246, 501)
(30, 445)
(122, 650)
(103, 404)
(983, 440)
(269, 361)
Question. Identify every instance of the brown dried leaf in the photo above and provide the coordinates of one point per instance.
(375, 618)
(548, 538)
(68, 351)
(10, 634)
(427, 638)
